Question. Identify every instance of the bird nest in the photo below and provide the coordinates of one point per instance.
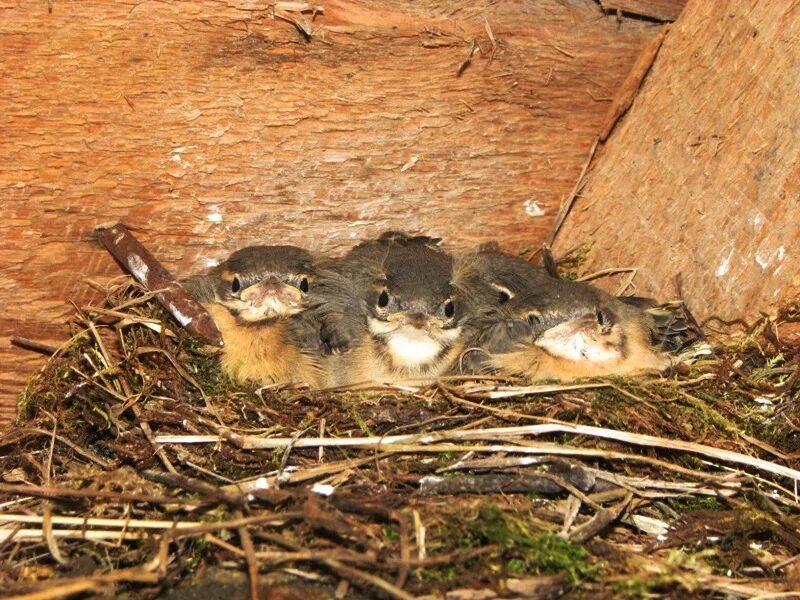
(138, 468)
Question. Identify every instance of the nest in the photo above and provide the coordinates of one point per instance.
(138, 468)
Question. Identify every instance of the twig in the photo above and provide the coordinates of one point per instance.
(252, 443)
(27, 344)
(194, 485)
(47, 523)
(336, 564)
(468, 60)
(56, 492)
(567, 205)
(496, 392)
(374, 580)
(252, 560)
(100, 522)
(40, 535)
(143, 425)
(602, 519)
(605, 272)
(263, 519)
(61, 588)
(630, 87)
(272, 480)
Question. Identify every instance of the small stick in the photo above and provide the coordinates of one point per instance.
(254, 442)
(99, 522)
(630, 87)
(194, 485)
(39, 535)
(602, 519)
(27, 344)
(251, 558)
(467, 61)
(261, 519)
(373, 580)
(405, 554)
(61, 588)
(567, 206)
(144, 267)
(605, 272)
(56, 492)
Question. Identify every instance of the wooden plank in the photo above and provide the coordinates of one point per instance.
(209, 126)
(701, 177)
(660, 10)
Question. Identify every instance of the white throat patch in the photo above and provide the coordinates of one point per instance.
(410, 347)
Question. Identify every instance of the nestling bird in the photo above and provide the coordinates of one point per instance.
(390, 312)
(533, 325)
(257, 297)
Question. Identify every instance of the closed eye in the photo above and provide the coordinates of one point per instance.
(605, 320)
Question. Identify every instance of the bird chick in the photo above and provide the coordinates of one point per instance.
(596, 343)
(257, 297)
(391, 313)
(533, 325)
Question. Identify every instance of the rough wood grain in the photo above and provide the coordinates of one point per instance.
(209, 125)
(661, 10)
(702, 177)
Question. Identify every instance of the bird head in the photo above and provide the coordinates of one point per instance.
(412, 308)
(260, 283)
(597, 336)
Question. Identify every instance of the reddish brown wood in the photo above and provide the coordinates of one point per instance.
(208, 125)
(702, 177)
(661, 10)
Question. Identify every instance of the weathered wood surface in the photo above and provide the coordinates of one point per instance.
(208, 125)
(661, 10)
(702, 177)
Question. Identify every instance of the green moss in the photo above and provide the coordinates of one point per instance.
(526, 551)
(446, 574)
(390, 533)
(571, 265)
(696, 503)
(207, 372)
(352, 411)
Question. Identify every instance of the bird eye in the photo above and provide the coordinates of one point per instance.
(604, 319)
(304, 285)
(383, 299)
(449, 309)
(236, 284)
(534, 319)
(503, 293)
